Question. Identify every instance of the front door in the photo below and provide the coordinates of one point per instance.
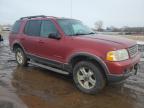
(49, 48)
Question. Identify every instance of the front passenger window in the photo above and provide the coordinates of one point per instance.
(47, 28)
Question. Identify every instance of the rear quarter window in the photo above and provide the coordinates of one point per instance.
(16, 27)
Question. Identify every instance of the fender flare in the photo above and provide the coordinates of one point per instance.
(12, 48)
(96, 58)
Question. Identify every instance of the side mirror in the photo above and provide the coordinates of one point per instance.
(54, 36)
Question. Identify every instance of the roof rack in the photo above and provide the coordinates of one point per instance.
(30, 17)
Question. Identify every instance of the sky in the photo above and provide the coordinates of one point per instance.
(116, 13)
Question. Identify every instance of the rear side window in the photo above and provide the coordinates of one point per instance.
(16, 27)
(33, 27)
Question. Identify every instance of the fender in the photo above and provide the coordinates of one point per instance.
(96, 58)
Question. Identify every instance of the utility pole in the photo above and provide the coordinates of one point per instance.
(71, 7)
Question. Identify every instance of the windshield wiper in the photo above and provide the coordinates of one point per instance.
(91, 33)
(77, 34)
(80, 34)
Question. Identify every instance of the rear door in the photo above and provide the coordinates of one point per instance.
(30, 36)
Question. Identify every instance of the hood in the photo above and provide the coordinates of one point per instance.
(113, 39)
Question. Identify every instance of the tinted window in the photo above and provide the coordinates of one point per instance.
(47, 28)
(16, 27)
(32, 28)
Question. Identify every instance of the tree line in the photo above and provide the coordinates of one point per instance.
(99, 27)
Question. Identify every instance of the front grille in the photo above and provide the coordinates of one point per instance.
(133, 50)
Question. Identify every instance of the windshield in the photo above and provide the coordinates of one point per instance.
(73, 27)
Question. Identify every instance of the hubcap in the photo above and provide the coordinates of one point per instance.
(86, 78)
(19, 57)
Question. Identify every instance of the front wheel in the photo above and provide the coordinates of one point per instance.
(21, 57)
(88, 77)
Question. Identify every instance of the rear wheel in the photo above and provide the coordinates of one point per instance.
(88, 77)
(21, 57)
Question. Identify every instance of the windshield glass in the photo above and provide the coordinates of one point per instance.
(73, 27)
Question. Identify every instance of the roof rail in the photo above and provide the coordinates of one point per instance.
(29, 17)
(41, 16)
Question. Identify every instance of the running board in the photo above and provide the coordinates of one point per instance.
(49, 68)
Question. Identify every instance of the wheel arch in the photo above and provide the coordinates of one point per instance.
(15, 45)
(89, 57)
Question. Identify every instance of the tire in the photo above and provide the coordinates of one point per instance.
(21, 57)
(88, 77)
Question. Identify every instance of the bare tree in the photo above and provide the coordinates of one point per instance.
(99, 25)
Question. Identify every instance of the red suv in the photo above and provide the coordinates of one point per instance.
(68, 46)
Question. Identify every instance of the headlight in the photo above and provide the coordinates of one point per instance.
(118, 55)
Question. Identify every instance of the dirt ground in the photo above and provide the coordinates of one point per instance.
(33, 87)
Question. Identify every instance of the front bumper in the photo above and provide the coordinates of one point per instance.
(117, 78)
(119, 71)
